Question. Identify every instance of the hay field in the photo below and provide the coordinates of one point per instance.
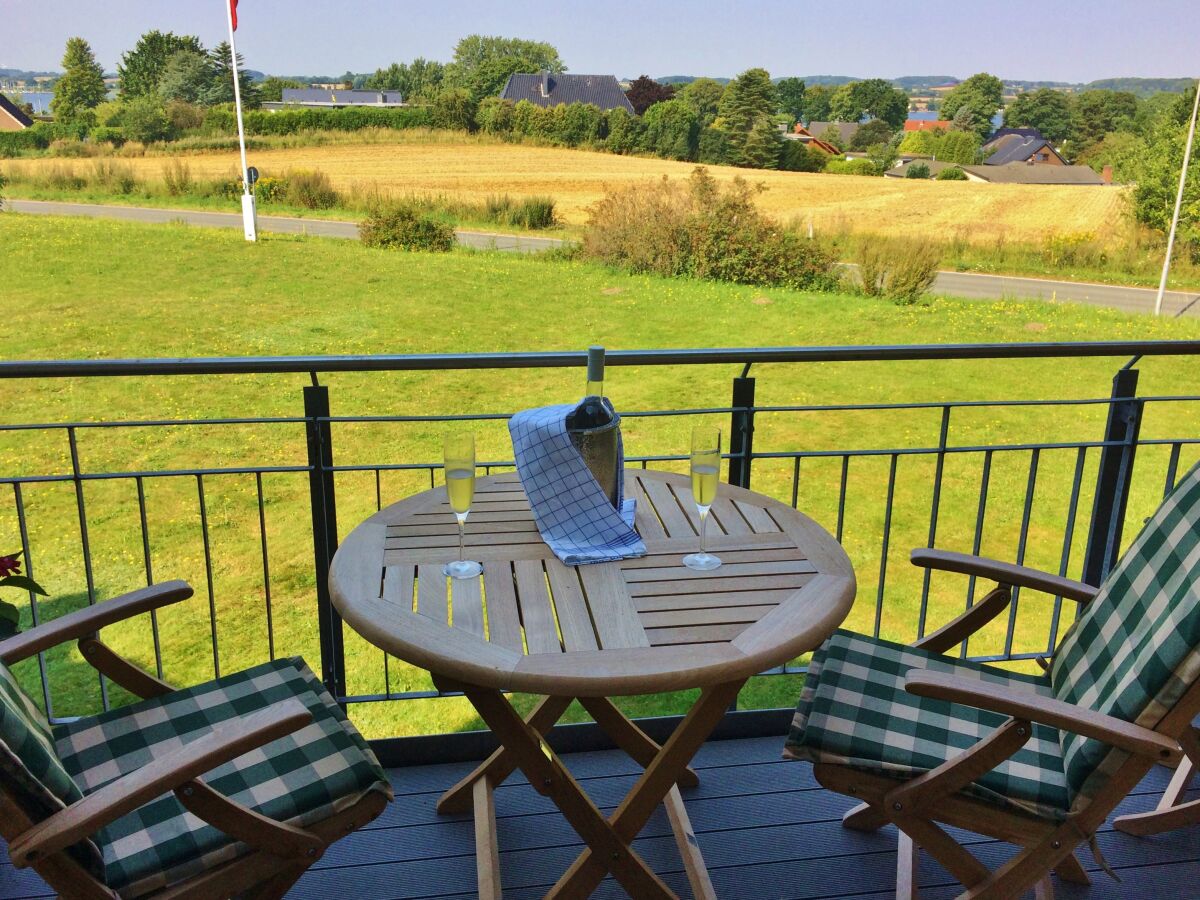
(474, 168)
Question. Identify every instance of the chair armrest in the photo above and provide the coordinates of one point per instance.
(87, 621)
(1037, 708)
(167, 772)
(1004, 573)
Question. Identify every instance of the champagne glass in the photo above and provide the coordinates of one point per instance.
(706, 465)
(460, 488)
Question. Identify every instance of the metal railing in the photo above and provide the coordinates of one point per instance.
(1093, 478)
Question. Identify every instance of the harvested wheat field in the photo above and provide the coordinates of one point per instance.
(473, 169)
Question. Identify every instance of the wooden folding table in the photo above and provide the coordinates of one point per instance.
(531, 624)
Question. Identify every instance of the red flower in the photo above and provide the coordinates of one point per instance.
(9, 565)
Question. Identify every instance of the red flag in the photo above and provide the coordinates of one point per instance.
(233, 12)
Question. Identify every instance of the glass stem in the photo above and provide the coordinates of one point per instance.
(703, 527)
(462, 530)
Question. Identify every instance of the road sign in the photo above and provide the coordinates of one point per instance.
(252, 174)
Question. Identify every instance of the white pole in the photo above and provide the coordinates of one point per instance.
(249, 214)
(1187, 158)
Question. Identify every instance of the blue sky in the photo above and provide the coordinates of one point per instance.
(1064, 41)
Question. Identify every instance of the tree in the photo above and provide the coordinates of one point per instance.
(704, 97)
(876, 131)
(220, 89)
(272, 88)
(1047, 110)
(790, 93)
(1097, 113)
(883, 156)
(1124, 151)
(832, 135)
(489, 77)
(920, 143)
(982, 94)
(474, 50)
(188, 76)
(81, 88)
(417, 80)
(796, 157)
(960, 147)
(817, 102)
(644, 92)
(875, 98)
(1158, 182)
(746, 110)
(145, 120)
(917, 170)
(142, 67)
(672, 130)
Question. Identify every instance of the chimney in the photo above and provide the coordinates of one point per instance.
(545, 84)
(1107, 175)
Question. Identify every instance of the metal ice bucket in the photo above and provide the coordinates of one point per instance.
(598, 447)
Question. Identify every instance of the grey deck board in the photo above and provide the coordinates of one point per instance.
(766, 828)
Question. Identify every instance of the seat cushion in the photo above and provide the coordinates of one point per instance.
(854, 711)
(301, 779)
(1135, 648)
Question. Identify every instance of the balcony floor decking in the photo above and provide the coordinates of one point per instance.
(766, 828)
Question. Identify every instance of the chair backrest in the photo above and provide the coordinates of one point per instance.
(1135, 648)
(31, 775)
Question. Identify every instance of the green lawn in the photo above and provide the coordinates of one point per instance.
(88, 288)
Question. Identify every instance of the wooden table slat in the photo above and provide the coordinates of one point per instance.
(398, 583)
(450, 527)
(711, 601)
(726, 512)
(472, 539)
(714, 583)
(537, 615)
(613, 612)
(760, 520)
(573, 619)
(645, 519)
(431, 593)
(466, 605)
(694, 634)
(442, 555)
(728, 556)
(667, 507)
(500, 598)
(720, 616)
(727, 570)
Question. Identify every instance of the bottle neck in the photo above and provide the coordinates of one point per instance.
(594, 389)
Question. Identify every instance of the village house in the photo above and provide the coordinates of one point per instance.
(806, 137)
(11, 116)
(335, 99)
(549, 89)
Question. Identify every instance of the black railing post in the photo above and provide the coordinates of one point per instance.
(1114, 478)
(741, 430)
(324, 520)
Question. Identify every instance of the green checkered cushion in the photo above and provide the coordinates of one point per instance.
(30, 771)
(1135, 648)
(303, 778)
(854, 711)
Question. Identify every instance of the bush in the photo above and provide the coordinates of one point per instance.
(14, 143)
(917, 170)
(403, 227)
(177, 176)
(529, 212)
(624, 131)
(795, 157)
(954, 173)
(1070, 249)
(70, 148)
(703, 230)
(108, 134)
(495, 116)
(902, 270)
(221, 120)
(851, 167)
(312, 190)
(454, 109)
(184, 116)
(145, 120)
(113, 176)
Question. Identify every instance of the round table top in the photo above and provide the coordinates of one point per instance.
(532, 624)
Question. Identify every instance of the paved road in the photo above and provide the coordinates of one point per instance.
(971, 285)
(282, 224)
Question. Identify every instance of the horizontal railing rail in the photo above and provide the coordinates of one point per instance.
(832, 474)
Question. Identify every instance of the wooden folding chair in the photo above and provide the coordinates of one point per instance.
(1037, 761)
(114, 805)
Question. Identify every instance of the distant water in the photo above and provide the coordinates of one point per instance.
(39, 99)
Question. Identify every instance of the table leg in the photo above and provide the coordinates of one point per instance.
(547, 770)
(689, 847)
(500, 764)
(625, 734)
(664, 770)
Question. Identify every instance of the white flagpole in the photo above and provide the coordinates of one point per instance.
(1187, 158)
(249, 214)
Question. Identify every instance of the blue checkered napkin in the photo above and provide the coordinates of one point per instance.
(572, 512)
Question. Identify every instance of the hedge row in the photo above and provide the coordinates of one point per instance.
(39, 136)
(293, 121)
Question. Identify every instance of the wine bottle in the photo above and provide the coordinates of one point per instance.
(593, 412)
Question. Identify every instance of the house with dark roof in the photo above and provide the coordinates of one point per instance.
(12, 118)
(845, 130)
(1019, 146)
(335, 99)
(549, 89)
(1029, 173)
